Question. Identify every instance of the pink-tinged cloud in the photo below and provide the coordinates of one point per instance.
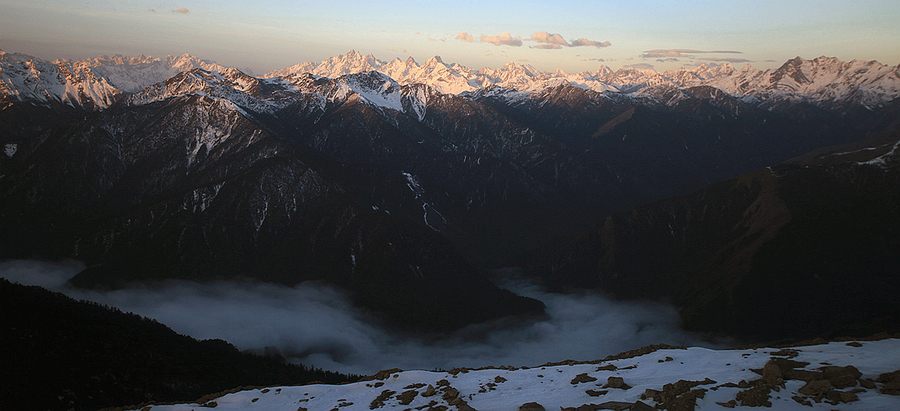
(181, 11)
(640, 66)
(683, 53)
(545, 37)
(504, 39)
(726, 59)
(152, 10)
(546, 46)
(586, 42)
(465, 37)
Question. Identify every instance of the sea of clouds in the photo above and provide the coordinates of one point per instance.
(315, 324)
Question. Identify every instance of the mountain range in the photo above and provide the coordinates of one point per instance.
(824, 81)
(404, 183)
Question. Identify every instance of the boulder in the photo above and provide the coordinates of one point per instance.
(616, 382)
(531, 406)
(580, 378)
(815, 388)
(891, 381)
(429, 391)
(834, 371)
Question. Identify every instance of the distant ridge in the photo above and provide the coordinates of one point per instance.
(827, 82)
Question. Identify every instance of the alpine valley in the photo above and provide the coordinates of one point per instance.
(763, 204)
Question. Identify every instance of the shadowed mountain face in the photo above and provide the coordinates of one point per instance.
(189, 188)
(400, 194)
(800, 249)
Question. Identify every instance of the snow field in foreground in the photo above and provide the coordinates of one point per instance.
(567, 385)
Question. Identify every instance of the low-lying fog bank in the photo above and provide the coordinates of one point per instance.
(315, 323)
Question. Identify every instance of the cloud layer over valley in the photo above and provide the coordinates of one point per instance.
(317, 325)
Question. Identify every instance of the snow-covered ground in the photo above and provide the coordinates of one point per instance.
(721, 374)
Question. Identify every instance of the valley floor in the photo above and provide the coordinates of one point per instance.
(848, 375)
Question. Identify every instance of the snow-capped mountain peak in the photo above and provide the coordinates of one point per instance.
(98, 82)
(27, 78)
(91, 83)
(825, 81)
(434, 62)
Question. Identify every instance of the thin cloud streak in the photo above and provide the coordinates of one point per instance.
(725, 59)
(545, 40)
(640, 66)
(181, 11)
(682, 53)
(586, 42)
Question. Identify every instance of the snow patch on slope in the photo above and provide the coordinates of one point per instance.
(717, 372)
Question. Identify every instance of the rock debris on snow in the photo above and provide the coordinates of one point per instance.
(861, 376)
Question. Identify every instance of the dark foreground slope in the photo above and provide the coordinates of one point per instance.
(58, 353)
(796, 250)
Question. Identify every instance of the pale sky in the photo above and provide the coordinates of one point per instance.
(574, 36)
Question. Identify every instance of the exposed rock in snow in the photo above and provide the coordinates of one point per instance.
(93, 83)
(824, 81)
(851, 376)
